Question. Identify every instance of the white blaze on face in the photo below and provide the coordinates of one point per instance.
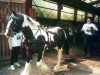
(8, 26)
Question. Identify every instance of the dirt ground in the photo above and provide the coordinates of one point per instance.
(87, 67)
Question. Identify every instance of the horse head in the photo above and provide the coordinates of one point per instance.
(17, 21)
(14, 24)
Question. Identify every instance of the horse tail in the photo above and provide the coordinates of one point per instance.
(63, 35)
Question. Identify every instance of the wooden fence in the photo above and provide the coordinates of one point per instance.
(19, 7)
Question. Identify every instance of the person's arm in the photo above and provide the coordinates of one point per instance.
(8, 27)
(10, 43)
(82, 30)
(95, 28)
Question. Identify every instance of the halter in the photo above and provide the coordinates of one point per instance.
(41, 32)
(12, 32)
(12, 28)
(37, 32)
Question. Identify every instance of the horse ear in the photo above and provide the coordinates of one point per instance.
(14, 13)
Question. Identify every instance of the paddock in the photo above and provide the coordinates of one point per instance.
(86, 67)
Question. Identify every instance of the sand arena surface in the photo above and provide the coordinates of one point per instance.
(86, 67)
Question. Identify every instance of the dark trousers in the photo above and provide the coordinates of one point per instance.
(70, 39)
(14, 54)
(88, 44)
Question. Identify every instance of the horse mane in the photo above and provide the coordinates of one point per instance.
(27, 32)
(28, 21)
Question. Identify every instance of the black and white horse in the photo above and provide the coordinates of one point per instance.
(36, 38)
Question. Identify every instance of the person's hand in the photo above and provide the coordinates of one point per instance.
(88, 30)
(81, 30)
(7, 36)
(10, 47)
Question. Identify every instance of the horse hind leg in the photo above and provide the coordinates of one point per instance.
(41, 64)
(57, 67)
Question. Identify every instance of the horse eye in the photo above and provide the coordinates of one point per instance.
(28, 19)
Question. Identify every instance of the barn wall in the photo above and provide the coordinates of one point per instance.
(4, 50)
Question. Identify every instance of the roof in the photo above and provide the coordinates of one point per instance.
(95, 3)
(82, 5)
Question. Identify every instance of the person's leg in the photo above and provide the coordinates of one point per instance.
(70, 39)
(85, 44)
(12, 59)
(91, 43)
(17, 50)
(17, 53)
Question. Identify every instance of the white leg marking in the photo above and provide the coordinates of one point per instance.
(57, 67)
(42, 66)
(27, 70)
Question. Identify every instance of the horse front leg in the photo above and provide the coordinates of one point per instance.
(57, 67)
(39, 59)
(28, 68)
(40, 63)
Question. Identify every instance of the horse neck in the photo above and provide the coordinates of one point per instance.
(28, 21)
(27, 32)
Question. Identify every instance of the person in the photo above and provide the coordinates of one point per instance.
(15, 46)
(70, 36)
(88, 29)
(75, 36)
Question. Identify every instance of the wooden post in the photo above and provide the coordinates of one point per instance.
(59, 11)
(93, 17)
(28, 5)
(29, 10)
(98, 19)
(85, 15)
(75, 16)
